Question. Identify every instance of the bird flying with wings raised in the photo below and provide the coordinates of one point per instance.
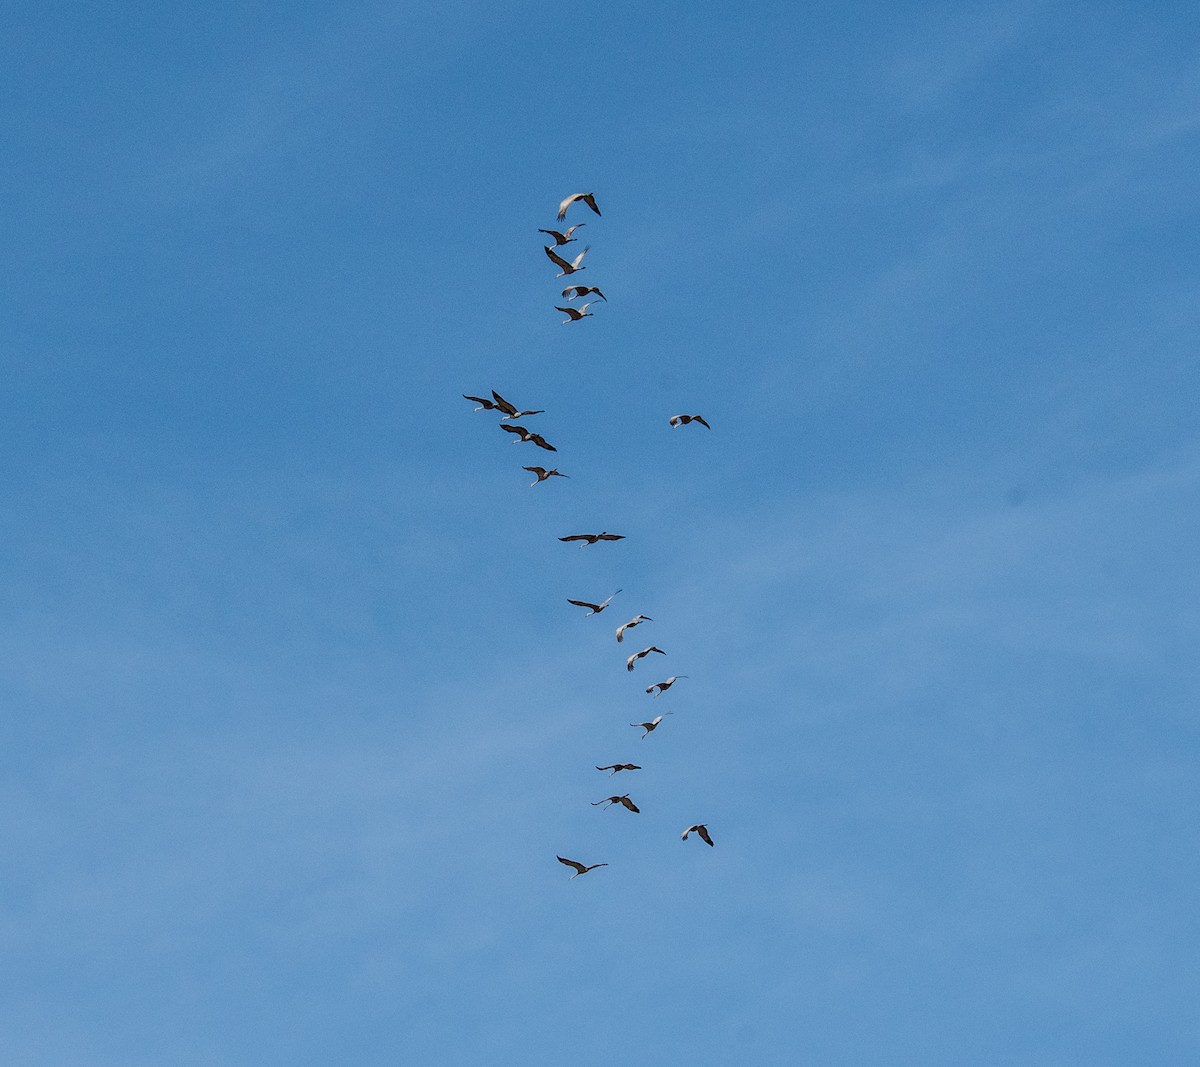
(638, 655)
(510, 410)
(624, 801)
(596, 608)
(542, 474)
(662, 687)
(630, 625)
(649, 727)
(587, 198)
(567, 268)
(563, 238)
(575, 314)
(579, 867)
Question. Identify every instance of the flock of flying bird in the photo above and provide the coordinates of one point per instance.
(561, 239)
(508, 414)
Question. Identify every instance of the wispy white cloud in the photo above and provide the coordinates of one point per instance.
(912, 574)
(947, 47)
(252, 118)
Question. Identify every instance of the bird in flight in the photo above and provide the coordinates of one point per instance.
(699, 828)
(612, 768)
(638, 655)
(483, 402)
(563, 238)
(662, 687)
(596, 608)
(649, 727)
(567, 268)
(525, 435)
(510, 410)
(573, 291)
(587, 198)
(543, 474)
(630, 625)
(575, 314)
(579, 867)
(624, 801)
(683, 420)
(591, 539)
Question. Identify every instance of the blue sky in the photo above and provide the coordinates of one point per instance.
(295, 715)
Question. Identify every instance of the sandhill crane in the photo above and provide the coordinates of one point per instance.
(567, 268)
(662, 687)
(587, 198)
(699, 828)
(591, 539)
(564, 238)
(630, 625)
(525, 435)
(638, 655)
(483, 402)
(596, 608)
(649, 727)
(543, 474)
(575, 314)
(683, 420)
(624, 801)
(573, 291)
(510, 410)
(612, 768)
(579, 867)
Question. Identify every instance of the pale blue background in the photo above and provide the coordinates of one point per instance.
(295, 717)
